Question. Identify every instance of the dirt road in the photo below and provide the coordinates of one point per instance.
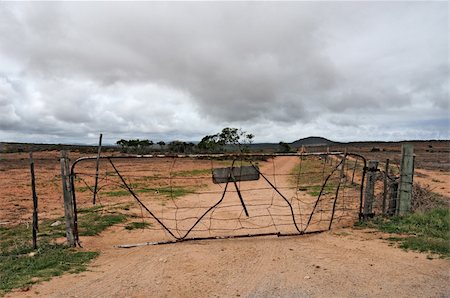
(342, 263)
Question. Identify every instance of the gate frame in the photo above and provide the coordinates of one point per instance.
(215, 156)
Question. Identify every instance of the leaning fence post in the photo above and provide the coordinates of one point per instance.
(370, 188)
(35, 202)
(96, 168)
(67, 195)
(406, 180)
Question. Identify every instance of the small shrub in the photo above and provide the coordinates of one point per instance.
(423, 199)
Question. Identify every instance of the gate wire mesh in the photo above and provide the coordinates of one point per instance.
(173, 198)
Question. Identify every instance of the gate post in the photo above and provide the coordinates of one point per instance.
(68, 202)
(370, 188)
(406, 180)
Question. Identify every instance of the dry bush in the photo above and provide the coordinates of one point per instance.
(423, 199)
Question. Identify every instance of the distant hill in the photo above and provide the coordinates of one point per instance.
(312, 141)
(309, 141)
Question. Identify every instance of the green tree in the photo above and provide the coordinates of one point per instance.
(181, 147)
(135, 146)
(228, 138)
(161, 144)
(284, 147)
(210, 143)
(122, 143)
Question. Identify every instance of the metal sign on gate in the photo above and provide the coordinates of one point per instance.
(229, 174)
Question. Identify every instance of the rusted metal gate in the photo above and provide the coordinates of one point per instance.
(210, 196)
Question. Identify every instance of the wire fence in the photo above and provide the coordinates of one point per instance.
(16, 202)
(176, 198)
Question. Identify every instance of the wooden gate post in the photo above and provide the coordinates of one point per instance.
(370, 188)
(406, 180)
(68, 202)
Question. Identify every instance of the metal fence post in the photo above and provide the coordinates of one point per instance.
(370, 188)
(35, 202)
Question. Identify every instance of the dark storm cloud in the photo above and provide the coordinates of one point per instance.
(185, 69)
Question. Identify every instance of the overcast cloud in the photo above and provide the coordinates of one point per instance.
(164, 70)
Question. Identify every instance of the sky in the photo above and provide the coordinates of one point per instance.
(347, 71)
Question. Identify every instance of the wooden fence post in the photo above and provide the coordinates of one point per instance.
(68, 202)
(406, 180)
(370, 188)
(96, 168)
(385, 186)
(392, 198)
(35, 202)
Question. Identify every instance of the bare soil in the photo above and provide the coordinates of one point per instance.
(430, 155)
(15, 186)
(438, 182)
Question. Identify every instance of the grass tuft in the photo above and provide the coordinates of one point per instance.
(18, 269)
(427, 231)
(21, 266)
(92, 224)
(169, 192)
(314, 190)
(137, 225)
(191, 173)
